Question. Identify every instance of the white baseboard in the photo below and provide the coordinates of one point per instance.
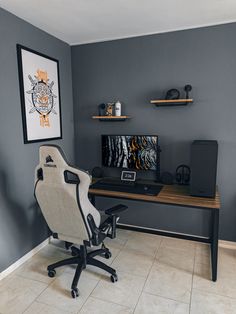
(227, 244)
(23, 259)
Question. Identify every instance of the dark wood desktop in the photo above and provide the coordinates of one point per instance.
(175, 195)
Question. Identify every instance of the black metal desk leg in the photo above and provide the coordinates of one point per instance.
(214, 243)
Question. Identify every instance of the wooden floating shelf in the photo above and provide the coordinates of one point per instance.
(110, 118)
(171, 102)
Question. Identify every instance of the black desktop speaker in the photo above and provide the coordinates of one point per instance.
(97, 172)
(203, 168)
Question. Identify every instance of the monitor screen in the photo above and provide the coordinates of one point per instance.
(138, 152)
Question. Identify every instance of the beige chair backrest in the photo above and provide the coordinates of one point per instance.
(65, 205)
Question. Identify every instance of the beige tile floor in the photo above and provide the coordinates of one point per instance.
(156, 275)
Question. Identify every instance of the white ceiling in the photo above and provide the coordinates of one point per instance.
(85, 21)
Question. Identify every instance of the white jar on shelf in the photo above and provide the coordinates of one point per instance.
(118, 109)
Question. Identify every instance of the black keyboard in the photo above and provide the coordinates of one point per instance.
(128, 187)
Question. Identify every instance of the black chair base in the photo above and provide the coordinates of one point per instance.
(82, 258)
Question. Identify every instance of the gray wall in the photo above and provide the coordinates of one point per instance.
(22, 226)
(138, 69)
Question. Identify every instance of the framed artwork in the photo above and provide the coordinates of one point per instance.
(40, 95)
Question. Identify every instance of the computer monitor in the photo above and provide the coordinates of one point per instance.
(137, 152)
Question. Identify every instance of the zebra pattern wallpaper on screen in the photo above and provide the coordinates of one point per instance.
(130, 151)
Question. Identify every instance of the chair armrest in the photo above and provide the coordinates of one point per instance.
(108, 227)
(115, 210)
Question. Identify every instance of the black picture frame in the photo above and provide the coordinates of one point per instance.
(25, 103)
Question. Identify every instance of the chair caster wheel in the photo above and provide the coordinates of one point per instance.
(114, 278)
(107, 255)
(51, 273)
(74, 293)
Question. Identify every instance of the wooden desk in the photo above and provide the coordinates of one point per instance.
(175, 195)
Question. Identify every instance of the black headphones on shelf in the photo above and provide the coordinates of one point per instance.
(182, 175)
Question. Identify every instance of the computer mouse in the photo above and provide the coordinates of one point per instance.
(151, 193)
